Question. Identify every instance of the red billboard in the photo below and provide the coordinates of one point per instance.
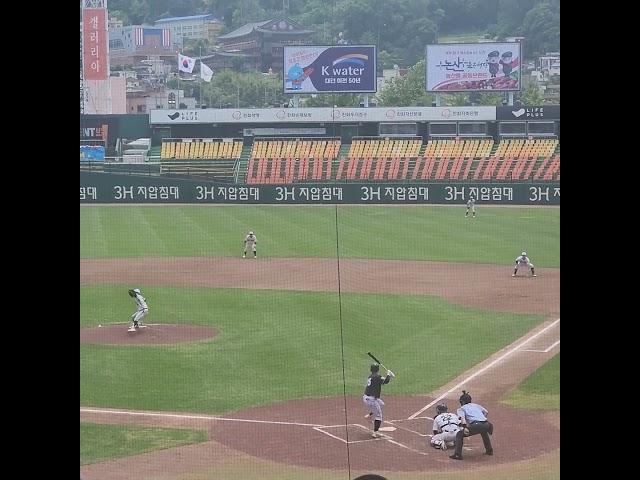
(94, 43)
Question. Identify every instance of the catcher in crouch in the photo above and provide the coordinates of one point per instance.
(142, 310)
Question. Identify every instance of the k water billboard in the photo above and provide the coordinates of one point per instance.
(312, 69)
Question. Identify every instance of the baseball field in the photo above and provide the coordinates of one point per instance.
(254, 368)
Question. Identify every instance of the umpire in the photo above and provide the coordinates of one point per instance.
(474, 418)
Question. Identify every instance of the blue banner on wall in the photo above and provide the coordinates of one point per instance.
(91, 153)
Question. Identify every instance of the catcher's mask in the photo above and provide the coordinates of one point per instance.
(441, 408)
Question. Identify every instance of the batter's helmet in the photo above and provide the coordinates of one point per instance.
(441, 408)
(250, 233)
(524, 254)
(465, 398)
(136, 290)
(375, 367)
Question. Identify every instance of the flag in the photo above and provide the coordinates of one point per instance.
(186, 64)
(205, 72)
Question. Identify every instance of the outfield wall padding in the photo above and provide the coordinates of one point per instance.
(115, 188)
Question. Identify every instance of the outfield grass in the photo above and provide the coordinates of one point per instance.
(277, 345)
(105, 442)
(539, 391)
(435, 233)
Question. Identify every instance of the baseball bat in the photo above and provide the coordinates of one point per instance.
(376, 360)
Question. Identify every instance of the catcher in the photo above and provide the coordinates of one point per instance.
(142, 310)
(445, 427)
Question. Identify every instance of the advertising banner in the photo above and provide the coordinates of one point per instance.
(117, 188)
(91, 153)
(94, 44)
(315, 69)
(322, 115)
(465, 67)
(543, 112)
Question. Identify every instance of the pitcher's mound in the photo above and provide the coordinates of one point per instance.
(153, 334)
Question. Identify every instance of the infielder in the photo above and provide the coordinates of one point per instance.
(471, 205)
(523, 261)
(445, 428)
(371, 397)
(142, 310)
(250, 241)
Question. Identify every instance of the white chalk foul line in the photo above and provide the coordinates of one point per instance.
(403, 428)
(192, 417)
(405, 446)
(318, 429)
(545, 350)
(484, 369)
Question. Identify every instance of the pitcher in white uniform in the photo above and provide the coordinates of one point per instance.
(142, 310)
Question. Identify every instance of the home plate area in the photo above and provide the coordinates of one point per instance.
(310, 432)
(403, 434)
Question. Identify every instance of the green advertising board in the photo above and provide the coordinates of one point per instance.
(114, 188)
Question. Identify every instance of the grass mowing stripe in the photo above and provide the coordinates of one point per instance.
(106, 442)
(420, 233)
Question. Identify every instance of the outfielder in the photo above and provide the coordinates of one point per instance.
(445, 428)
(371, 397)
(142, 310)
(250, 241)
(523, 261)
(471, 205)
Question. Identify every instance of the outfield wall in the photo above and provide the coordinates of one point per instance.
(114, 188)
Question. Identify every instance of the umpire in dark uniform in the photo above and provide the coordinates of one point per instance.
(474, 418)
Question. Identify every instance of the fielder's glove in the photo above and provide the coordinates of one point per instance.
(391, 374)
(132, 293)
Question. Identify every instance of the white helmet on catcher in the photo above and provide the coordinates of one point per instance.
(524, 254)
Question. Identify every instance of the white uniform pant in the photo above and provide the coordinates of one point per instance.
(374, 405)
(136, 317)
(525, 265)
(446, 436)
(251, 246)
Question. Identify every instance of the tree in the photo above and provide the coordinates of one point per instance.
(407, 91)
(247, 90)
(195, 47)
(531, 96)
(541, 27)
(330, 100)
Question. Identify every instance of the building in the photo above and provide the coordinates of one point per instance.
(105, 96)
(144, 102)
(388, 74)
(549, 64)
(115, 23)
(259, 45)
(131, 44)
(194, 27)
